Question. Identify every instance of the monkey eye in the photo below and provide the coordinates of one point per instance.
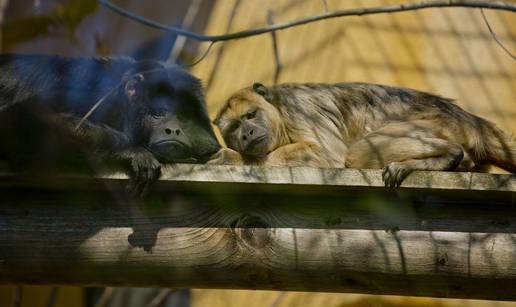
(233, 126)
(251, 114)
(162, 89)
(159, 106)
(157, 114)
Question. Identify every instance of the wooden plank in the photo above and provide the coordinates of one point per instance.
(315, 176)
(199, 230)
(337, 177)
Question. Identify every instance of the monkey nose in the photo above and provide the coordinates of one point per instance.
(170, 131)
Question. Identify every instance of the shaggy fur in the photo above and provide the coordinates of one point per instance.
(358, 125)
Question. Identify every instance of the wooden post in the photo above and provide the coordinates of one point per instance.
(441, 234)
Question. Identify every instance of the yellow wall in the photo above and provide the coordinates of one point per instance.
(37, 296)
(242, 298)
(445, 51)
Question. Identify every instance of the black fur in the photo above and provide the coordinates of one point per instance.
(147, 114)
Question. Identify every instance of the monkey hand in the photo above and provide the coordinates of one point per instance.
(226, 156)
(394, 173)
(144, 170)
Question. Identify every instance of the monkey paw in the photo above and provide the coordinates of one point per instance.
(394, 173)
(144, 170)
(226, 156)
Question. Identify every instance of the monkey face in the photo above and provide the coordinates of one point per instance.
(174, 124)
(179, 138)
(249, 123)
(248, 133)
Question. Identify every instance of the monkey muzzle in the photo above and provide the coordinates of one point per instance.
(169, 151)
(256, 146)
(175, 141)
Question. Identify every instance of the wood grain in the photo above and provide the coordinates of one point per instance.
(255, 228)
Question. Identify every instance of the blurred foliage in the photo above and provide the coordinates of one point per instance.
(63, 19)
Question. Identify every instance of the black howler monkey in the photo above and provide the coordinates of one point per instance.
(61, 114)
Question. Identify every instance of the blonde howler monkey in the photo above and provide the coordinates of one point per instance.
(357, 125)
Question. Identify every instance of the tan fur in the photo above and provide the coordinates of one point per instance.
(360, 125)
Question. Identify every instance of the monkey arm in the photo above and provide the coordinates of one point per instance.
(298, 154)
(403, 147)
(111, 149)
(227, 156)
(142, 166)
(89, 135)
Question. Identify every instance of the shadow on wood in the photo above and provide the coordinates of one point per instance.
(441, 234)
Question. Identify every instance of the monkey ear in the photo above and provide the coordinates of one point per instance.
(263, 91)
(133, 86)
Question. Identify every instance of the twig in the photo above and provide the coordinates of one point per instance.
(493, 34)
(270, 20)
(95, 106)
(204, 55)
(111, 91)
(488, 4)
(188, 21)
(105, 297)
(220, 52)
(17, 297)
(160, 298)
(278, 299)
(325, 3)
(52, 297)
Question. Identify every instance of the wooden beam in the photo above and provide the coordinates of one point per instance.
(334, 177)
(441, 234)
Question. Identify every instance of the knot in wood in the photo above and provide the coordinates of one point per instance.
(252, 230)
(441, 259)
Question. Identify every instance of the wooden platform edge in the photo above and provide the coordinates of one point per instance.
(333, 177)
(458, 240)
(304, 176)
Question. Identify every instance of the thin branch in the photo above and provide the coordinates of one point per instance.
(105, 298)
(487, 4)
(52, 297)
(220, 52)
(270, 20)
(204, 55)
(188, 20)
(17, 296)
(325, 4)
(3, 8)
(278, 299)
(95, 106)
(160, 298)
(493, 34)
